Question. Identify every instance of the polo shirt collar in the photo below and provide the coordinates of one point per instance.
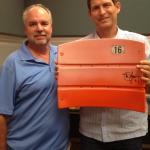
(25, 54)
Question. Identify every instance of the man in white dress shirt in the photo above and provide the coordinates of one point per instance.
(107, 128)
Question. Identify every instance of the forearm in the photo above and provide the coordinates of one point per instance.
(3, 133)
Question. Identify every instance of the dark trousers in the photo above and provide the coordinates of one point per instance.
(92, 144)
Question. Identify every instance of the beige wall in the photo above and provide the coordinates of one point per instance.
(7, 45)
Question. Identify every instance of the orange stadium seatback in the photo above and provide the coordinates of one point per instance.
(101, 73)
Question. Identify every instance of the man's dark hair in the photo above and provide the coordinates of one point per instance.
(89, 3)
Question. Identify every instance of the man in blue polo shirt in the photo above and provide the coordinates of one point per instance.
(29, 117)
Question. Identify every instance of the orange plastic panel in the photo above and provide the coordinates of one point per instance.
(101, 73)
(127, 76)
(101, 52)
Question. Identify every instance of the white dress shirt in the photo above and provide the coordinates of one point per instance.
(108, 124)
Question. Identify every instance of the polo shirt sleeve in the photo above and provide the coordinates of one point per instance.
(7, 88)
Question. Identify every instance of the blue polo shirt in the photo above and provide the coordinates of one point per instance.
(28, 94)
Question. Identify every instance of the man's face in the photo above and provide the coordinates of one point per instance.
(38, 27)
(104, 13)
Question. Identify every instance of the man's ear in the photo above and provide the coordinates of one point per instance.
(118, 6)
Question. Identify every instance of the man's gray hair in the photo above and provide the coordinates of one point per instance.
(36, 5)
